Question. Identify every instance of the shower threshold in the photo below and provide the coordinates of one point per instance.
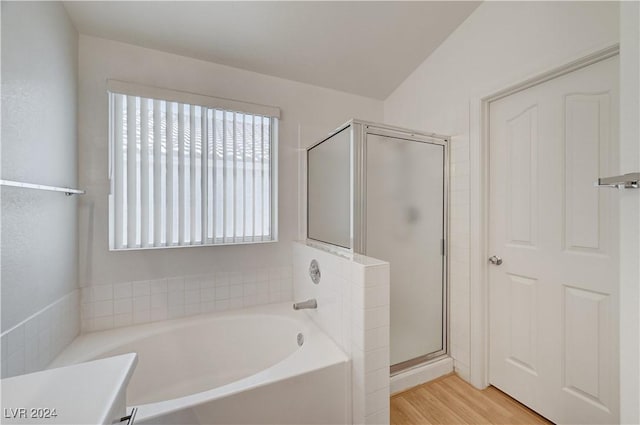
(419, 373)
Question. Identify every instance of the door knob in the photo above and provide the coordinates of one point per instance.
(495, 260)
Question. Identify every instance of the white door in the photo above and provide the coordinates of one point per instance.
(553, 301)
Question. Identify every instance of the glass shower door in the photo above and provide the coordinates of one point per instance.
(405, 225)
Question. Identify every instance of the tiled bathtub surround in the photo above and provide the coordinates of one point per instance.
(34, 343)
(122, 304)
(353, 309)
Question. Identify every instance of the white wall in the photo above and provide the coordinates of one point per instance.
(306, 110)
(629, 214)
(39, 145)
(500, 44)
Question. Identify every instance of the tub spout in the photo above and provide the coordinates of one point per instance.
(312, 303)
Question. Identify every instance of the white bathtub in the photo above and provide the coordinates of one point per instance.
(234, 367)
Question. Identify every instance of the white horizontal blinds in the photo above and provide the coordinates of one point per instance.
(188, 175)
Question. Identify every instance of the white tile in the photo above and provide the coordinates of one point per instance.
(286, 283)
(86, 325)
(375, 275)
(262, 275)
(249, 276)
(192, 296)
(377, 359)
(176, 284)
(142, 303)
(274, 285)
(207, 281)
(376, 401)
(102, 323)
(141, 289)
(102, 292)
(102, 308)
(235, 303)
(286, 295)
(233, 278)
(158, 301)
(376, 380)
(222, 293)
(262, 298)
(221, 305)
(156, 314)
(208, 294)
(120, 320)
(379, 418)
(377, 295)
(141, 316)
(376, 338)
(158, 286)
(274, 297)
(222, 278)
(175, 299)
(275, 273)
(122, 290)
(86, 294)
(176, 311)
(250, 289)
(122, 306)
(376, 317)
(250, 300)
(262, 287)
(192, 309)
(208, 307)
(236, 291)
(192, 283)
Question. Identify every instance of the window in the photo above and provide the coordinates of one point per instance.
(189, 170)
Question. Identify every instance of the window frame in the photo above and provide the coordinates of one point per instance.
(220, 104)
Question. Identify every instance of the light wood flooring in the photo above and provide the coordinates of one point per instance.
(450, 400)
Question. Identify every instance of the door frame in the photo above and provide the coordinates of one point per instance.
(479, 205)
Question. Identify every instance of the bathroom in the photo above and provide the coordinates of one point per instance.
(269, 84)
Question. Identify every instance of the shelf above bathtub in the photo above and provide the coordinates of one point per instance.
(86, 393)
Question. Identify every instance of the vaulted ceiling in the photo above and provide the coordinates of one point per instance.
(365, 48)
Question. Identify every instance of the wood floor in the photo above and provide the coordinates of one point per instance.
(450, 400)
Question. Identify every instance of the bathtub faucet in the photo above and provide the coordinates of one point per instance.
(312, 303)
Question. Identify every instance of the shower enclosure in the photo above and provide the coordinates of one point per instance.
(383, 191)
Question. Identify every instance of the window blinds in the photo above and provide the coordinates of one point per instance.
(185, 174)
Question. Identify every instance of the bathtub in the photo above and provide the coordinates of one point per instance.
(245, 366)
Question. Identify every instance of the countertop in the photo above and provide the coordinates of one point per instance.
(84, 393)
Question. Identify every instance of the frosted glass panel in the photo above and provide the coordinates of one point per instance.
(329, 190)
(405, 226)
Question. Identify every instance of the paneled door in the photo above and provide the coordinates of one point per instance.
(553, 241)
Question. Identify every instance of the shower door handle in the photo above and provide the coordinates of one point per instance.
(495, 260)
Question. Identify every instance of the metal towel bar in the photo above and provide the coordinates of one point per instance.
(66, 190)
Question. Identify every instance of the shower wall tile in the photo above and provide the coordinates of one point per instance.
(118, 304)
(34, 343)
(353, 309)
